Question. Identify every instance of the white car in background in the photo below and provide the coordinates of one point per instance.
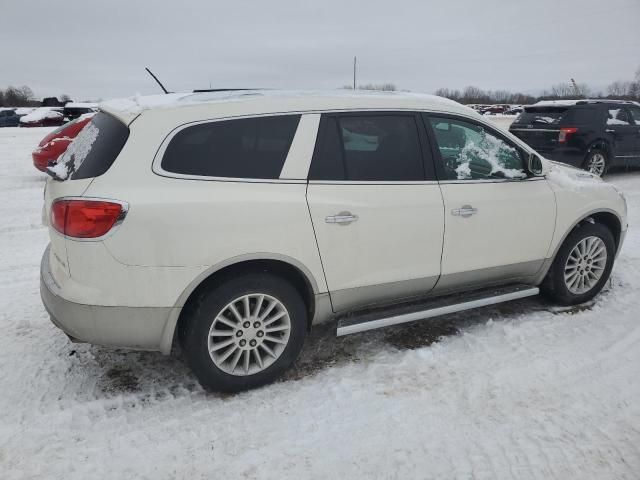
(232, 222)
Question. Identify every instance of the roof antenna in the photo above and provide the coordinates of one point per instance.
(156, 79)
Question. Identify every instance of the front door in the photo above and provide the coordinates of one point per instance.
(498, 221)
(622, 132)
(376, 212)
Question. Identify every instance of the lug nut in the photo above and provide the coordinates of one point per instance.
(239, 333)
(246, 324)
(253, 343)
(243, 342)
(260, 333)
(256, 325)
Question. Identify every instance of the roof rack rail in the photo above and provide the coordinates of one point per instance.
(603, 100)
(204, 90)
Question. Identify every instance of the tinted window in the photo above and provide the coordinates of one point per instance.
(618, 116)
(243, 148)
(579, 116)
(635, 114)
(470, 152)
(96, 147)
(369, 148)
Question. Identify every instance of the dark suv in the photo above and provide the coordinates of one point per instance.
(590, 134)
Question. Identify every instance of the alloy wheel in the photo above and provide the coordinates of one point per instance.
(597, 164)
(585, 265)
(249, 334)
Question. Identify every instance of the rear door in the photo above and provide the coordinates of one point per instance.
(498, 221)
(634, 111)
(376, 208)
(622, 132)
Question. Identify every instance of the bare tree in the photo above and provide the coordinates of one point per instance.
(384, 87)
(619, 88)
(64, 98)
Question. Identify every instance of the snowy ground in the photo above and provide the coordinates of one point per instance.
(520, 391)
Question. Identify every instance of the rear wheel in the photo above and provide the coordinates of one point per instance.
(582, 266)
(245, 332)
(596, 162)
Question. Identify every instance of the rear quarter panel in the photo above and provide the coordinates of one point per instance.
(201, 223)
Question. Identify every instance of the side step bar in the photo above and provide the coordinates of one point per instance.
(434, 307)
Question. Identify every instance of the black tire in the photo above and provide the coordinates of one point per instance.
(593, 154)
(194, 333)
(554, 286)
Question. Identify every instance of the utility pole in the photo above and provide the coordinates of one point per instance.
(354, 72)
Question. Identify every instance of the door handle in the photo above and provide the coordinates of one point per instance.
(610, 130)
(465, 211)
(343, 218)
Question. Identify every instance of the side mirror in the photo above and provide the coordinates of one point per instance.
(534, 165)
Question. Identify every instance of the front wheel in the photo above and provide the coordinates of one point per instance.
(582, 266)
(596, 162)
(245, 332)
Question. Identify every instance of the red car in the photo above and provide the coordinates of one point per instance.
(55, 144)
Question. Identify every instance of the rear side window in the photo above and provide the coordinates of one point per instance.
(618, 116)
(242, 148)
(579, 116)
(369, 148)
(94, 150)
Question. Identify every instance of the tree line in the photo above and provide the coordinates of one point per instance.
(620, 90)
(22, 97)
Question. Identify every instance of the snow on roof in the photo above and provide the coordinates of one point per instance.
(81, 105)
(40, 114)
(556, 103)
(307, 99)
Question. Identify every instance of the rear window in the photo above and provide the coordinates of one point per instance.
(541, 116)
(243, 148)
(94, 150)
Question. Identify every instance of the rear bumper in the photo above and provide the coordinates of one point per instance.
(138, 328)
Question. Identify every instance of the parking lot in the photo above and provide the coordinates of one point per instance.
(522, 390)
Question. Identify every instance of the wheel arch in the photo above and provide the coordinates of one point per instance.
(291, 269)
(601, 144)
(604, 216)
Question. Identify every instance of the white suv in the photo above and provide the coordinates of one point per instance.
(231, 222)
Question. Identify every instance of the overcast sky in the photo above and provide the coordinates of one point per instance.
(98, 49)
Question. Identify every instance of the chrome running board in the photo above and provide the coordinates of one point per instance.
(434, 307)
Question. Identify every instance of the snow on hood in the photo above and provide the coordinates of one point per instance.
(40, 114)
(572, 178)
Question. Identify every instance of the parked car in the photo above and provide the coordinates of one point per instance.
(43, 117)
(232, 223)
(9, 118)
(589, 134)
(52, 146)
(73, 110)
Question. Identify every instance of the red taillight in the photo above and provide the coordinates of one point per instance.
(565, 132)
(85, 218)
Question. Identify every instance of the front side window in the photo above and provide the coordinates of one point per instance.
(368, 148)
(243, 148)
(469, 152)
(618, 116)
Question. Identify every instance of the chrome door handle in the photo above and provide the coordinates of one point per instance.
(464, 211)
(610, 130)
(343, 218)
